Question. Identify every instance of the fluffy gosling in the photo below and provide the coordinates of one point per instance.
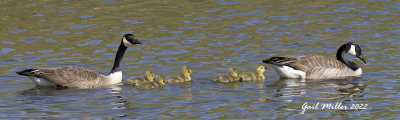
(232, 76)
(135, 81)
(252, 75)
(159, 82)
(184, 76)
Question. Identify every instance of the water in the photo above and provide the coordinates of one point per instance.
(209, 37)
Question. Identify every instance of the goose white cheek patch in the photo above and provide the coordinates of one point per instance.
(126, 42)
(352, 50)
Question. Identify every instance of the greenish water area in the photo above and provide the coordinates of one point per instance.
(209, 37)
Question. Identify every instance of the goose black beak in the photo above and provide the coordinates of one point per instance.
(362, 58)
(136, 41)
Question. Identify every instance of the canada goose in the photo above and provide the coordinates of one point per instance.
(182, 77)
(318, 67)
(257, 74)
(159, 82)
(78, 77)
(148, 77)
(232, 76)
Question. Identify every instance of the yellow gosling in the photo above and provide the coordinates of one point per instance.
(232, 76)
(258, 74)
(139, 80)
(184, 76)
(159, 82)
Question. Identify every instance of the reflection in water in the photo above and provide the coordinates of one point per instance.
(294, 88)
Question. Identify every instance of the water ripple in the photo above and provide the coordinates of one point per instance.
(61, 32)
(341, 9)
(189, 41)
(86, 16)
(80, 26)
(126, 32)
(172, 52)
(229, 2)
(170, 43)
(67, 11)
(213, 10)
(132, 21)
(254, 12)
(49, 40)
(49, 6)
(107, 1)
(187, 28)
(6, 50)
(37, 15)
(17, 31)
(8, 42)
(255, 21)
(92, 42)
(45, 51)
(31, 39)
(220, 44)
(162, 39)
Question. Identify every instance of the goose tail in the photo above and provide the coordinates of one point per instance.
(276, 60)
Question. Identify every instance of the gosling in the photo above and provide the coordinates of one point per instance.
(135, 81)
(252, 75)
(184, 76)
(232, 76)
(159, 82)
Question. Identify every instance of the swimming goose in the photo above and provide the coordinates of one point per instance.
(182, 77)
(78, 77)
(232, 76)
(149, 76)
(318, 67)
(159, 82)
(256, 74)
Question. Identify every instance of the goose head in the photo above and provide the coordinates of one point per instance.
(129, 40)
(354, 49)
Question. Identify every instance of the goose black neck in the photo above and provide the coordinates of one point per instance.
(118, 58)
(340, 56)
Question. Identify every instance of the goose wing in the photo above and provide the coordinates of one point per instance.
(306, 63)
(69, 76)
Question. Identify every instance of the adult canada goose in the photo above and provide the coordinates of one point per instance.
(149, 76)
(184, 76)
(256, 74)
(230, 77)
(318, 67)
(159, 82)
(78, 77)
